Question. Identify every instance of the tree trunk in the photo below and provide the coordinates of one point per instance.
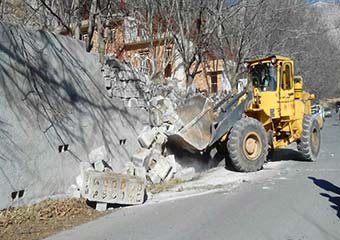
(77, 20)
(91, 27)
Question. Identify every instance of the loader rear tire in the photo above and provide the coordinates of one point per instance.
(309, 143)
(247, 145)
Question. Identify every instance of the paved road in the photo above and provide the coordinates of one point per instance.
(301, 202)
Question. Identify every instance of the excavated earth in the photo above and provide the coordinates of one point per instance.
(37, 221)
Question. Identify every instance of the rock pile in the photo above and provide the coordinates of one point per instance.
(123, 181)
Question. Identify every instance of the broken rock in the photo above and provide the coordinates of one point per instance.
(170, 117)
(100, 166)
(153, 177)
(156, 117)
(141, 157)
(161, 168)
(129, 169)
(161, 138)
(147, 137)
(140, 172)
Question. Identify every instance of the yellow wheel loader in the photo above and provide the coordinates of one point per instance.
(272, 112)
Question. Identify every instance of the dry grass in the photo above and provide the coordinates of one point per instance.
(163, 186)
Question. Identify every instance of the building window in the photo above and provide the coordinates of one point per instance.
(144, 63)
(130, 30)
(213, 82)
(84, 37)
(167, 70)
(167, 54)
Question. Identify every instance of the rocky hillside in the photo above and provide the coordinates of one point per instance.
(330, 16)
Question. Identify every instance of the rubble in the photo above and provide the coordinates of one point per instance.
(147, 137)
(161, 138)
(153, 177)
(156, 117)
(121, 81)
(121, 181)
(141, 157)
(161, 167)
(140, 172)
(129, 169)
(101, 166)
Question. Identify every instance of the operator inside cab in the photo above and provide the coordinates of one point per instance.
(263, 76)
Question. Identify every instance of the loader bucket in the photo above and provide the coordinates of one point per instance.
(194, 124)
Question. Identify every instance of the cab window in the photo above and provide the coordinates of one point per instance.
(286, 82)
(263, 76)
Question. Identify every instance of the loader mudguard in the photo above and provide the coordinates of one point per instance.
(230, 113)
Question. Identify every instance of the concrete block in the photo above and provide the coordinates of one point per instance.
(140, 172)
(161, 168)
(172, 161)
(185, 174)
(161, 138)
(157, 147)
(153, 177)
(156, 154)
(107, 169)
(170, 175)
(99, 166)
(100, 206)
(115, 188)
(141, 157)
(98, 154)
(129, 169)
(156, 117)
(147, 137)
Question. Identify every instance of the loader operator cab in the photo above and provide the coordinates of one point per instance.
(273, 86)
(263, 76)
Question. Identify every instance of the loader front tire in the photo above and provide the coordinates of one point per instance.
(309, 143)
(247, 145)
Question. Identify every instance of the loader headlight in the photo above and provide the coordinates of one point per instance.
(273, 60)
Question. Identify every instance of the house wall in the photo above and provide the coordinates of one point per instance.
(202, 80)
(132, 50)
